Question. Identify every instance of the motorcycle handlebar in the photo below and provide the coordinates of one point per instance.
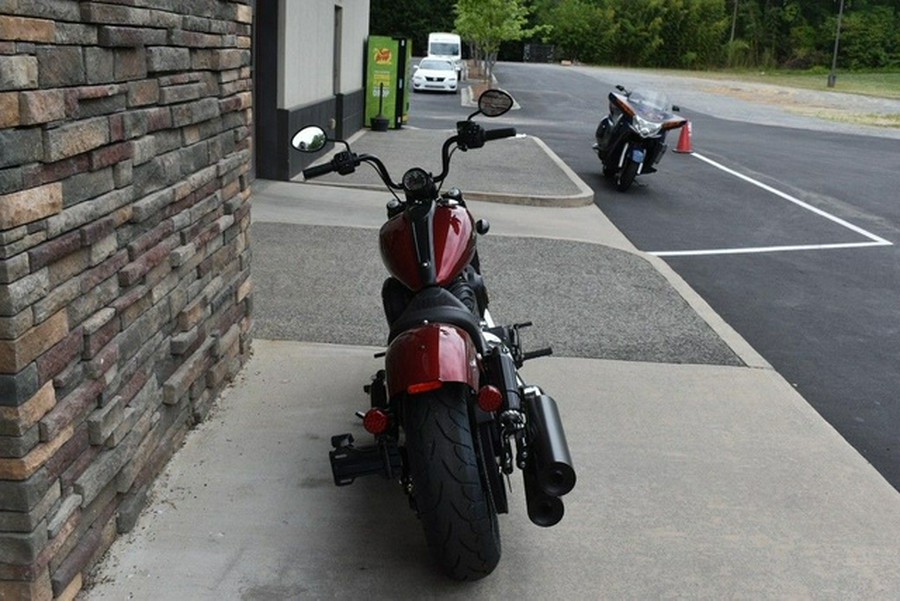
(318, 170)
(497, 134)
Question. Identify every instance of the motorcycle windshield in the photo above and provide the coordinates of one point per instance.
(651, 105)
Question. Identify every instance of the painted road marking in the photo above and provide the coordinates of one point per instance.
(873, 239)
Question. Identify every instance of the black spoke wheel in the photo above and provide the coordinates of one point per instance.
(450, 493)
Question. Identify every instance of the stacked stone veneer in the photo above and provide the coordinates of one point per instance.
(125, 153)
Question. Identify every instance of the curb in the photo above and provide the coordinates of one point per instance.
(562, 202)
(584, 197)
(738, 345)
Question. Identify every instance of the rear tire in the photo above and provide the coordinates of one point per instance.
(450, 494)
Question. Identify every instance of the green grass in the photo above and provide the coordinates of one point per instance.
(880, 84)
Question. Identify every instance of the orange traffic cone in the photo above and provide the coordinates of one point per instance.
(684, 140)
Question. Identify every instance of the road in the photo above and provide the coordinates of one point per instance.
(805, 268)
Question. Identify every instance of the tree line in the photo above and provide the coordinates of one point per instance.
(695, 34)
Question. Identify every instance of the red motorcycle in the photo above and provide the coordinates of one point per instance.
(449, 407)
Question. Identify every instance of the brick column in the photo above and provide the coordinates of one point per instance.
(125, 292)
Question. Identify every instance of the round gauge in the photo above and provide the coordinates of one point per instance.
(415, 180)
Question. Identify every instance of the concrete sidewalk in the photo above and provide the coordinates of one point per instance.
(698, 481)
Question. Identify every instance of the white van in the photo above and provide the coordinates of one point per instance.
(446, 46)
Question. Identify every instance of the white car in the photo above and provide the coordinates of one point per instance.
(435, 74)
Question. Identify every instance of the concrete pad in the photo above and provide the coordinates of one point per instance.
(520, 170)
(294, 202)
(305, 204)
(694, 482)
(585, 300)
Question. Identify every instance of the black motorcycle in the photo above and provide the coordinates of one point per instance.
(631, 140)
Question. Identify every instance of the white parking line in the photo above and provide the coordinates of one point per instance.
(874, 240)
(763, 249)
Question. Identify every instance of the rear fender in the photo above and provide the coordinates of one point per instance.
(430, 355)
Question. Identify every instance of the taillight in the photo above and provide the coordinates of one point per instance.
(490, 399)
(424, 387)
(376, 421)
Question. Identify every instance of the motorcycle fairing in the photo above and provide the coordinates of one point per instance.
(431, 355)
(652, 108)
(620, 101)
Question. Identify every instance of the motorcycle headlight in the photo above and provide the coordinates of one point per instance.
(644, 127)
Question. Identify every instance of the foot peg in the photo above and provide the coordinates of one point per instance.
(349, 462)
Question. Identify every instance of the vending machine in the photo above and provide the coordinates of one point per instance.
(388, 63)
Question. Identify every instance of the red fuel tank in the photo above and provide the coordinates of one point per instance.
(453, 233)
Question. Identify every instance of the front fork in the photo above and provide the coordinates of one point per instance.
(634, 153)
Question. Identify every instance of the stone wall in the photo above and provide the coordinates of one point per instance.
(125, 296)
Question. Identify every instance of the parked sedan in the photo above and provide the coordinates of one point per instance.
(435, 74)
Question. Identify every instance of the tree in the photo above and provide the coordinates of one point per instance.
(487, 23)
(636, 32)
(412, 19)
(869, 38)
(692, 33)
(578, 27)
(684, 33)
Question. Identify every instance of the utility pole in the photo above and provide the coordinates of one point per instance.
(731, 39)
(832, 77)
(733, 21)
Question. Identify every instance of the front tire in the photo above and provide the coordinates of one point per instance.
(626, 175)
(450, 494)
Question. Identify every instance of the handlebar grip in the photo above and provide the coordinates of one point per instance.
(318, 170)
(496, 134)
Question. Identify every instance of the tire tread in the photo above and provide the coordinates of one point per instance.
(455, 508)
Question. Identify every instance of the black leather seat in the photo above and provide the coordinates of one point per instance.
(437, 305)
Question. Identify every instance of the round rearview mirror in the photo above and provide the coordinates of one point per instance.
(493, 103)
(309, 139)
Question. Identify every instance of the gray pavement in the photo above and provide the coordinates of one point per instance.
(702, 473)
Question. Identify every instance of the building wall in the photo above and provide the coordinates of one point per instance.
(125, 291)
(296, 81)
(307, 44)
